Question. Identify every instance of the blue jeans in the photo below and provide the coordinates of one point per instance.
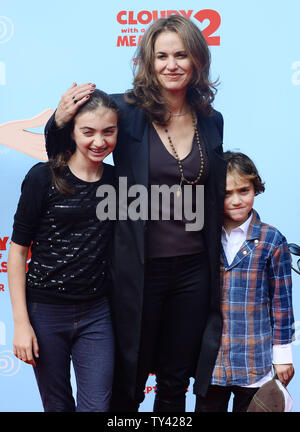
(82, 333)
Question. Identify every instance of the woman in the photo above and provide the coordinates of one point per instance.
(60, 307)
(166, 279)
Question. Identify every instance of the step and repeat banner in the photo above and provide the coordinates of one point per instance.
(46, 46)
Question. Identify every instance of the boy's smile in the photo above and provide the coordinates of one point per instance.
(239, 200)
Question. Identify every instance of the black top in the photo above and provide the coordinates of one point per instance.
(166, 238)
(69, 261)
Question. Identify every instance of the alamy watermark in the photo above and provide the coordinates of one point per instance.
(156, 203)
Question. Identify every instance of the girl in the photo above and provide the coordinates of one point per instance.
(60, 307)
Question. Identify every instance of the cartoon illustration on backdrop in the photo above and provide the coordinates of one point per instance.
(15, 134)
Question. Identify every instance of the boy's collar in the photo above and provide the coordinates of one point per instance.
(243, 227)
(254, 226)
(251, 226)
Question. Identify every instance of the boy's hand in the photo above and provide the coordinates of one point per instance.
(285, 372)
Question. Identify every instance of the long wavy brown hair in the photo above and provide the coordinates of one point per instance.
(146, 91)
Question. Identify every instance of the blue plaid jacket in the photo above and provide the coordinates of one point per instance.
(256, 305)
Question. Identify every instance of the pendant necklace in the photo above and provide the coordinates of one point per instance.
(182, 178)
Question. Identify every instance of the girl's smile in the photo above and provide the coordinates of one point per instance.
(95, 136)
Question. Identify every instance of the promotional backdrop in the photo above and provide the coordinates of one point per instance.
(46, 46)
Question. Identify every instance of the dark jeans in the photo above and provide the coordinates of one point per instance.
(81, 333)
(217, 399)
(176, 304)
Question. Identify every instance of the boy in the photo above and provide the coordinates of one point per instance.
(256, 297)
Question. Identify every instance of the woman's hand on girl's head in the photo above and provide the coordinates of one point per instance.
(70, 101)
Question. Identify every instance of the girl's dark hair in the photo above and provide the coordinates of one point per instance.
(57, 165)
(146, 88)
(244, 166)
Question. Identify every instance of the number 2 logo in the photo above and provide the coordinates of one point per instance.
(214, 24)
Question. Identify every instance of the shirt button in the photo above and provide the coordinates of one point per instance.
(244, 252)
(256, 241)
